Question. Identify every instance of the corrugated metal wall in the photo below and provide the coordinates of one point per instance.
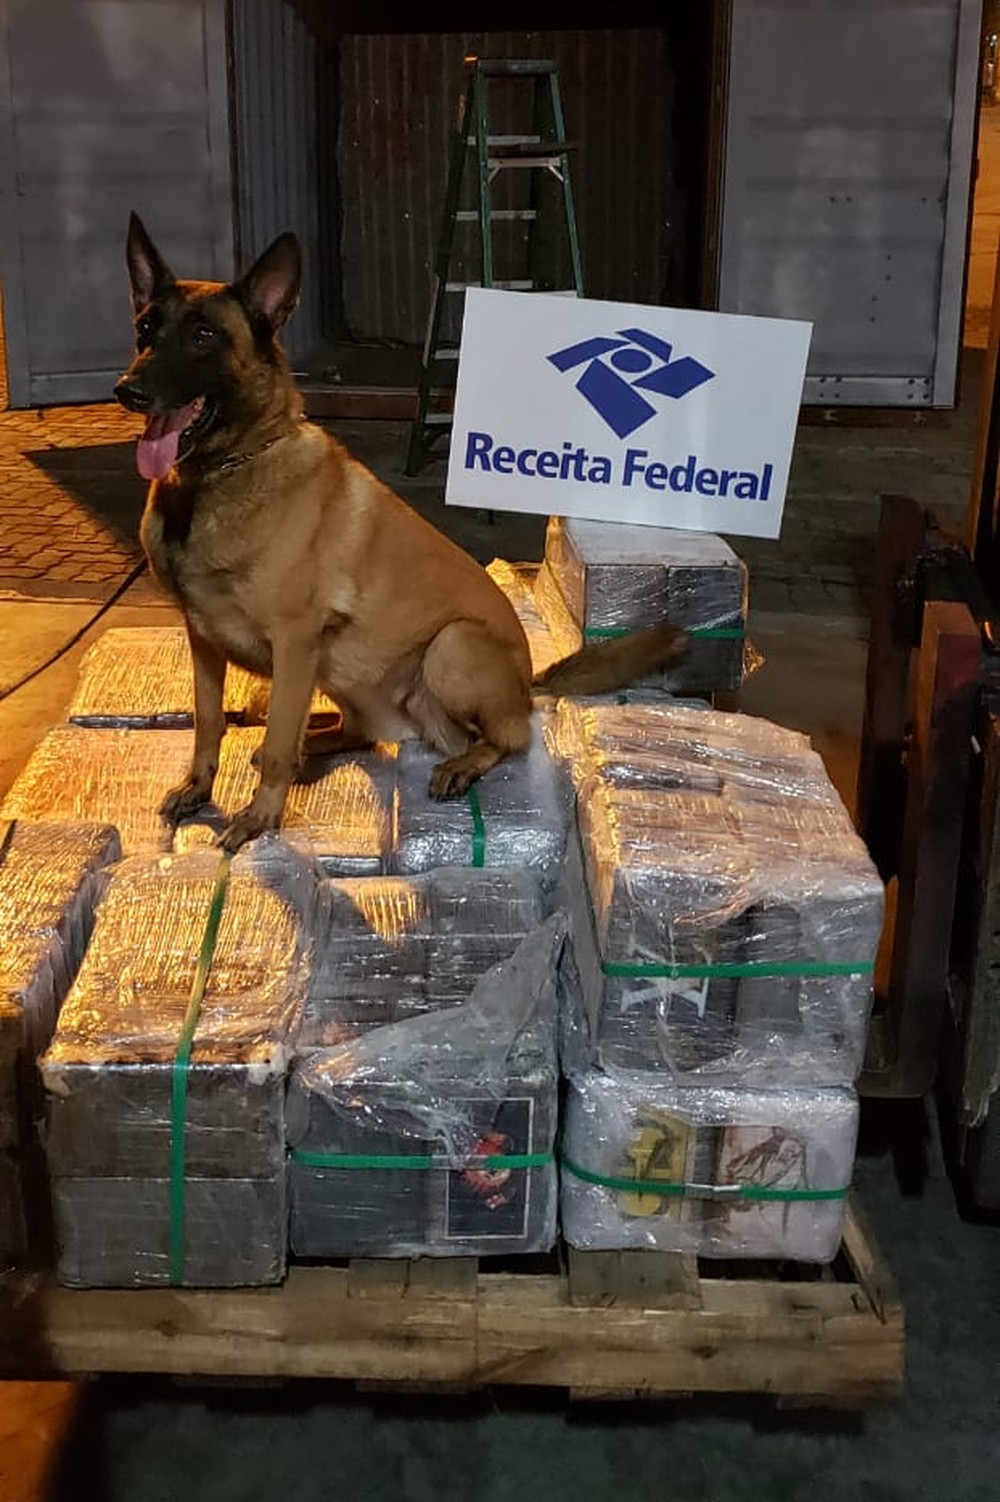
(846, 186)
(399, 99)
(278, 69)
(105, 106)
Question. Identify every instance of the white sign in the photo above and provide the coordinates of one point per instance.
(663, 416)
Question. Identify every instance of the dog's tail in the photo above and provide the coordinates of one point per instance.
(602, 667)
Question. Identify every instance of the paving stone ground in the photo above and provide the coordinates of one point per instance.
(70, 502)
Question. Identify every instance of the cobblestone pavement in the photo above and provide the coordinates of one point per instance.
(70, 502)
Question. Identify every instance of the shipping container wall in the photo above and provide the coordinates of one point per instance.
(399, 103)
(105, 106)
(846, 186)
(284, 81)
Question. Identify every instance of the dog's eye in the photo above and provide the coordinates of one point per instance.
(144, 329)
(204, 333)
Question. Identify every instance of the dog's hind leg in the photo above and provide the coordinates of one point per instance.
(475, 681)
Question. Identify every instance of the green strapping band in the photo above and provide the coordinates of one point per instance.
(703, 633)
(419, 1160)
(763, 968)
(699, 1191)
(478, 827)
(179, 1072)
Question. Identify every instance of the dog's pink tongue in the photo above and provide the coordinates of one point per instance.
(157, 451)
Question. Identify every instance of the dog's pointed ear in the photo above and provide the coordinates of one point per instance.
(270, 289)
(148, 272)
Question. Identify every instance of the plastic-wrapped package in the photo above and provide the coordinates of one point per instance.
(671, 743)
(141, 677)
(549, 640)
(129, 1110)
(50, 880)
(344, 810)
(615, 577)
(724, 914)
(516, 815)
(389, 947)
(766, 1171)
(117, 777)
(389, 1132)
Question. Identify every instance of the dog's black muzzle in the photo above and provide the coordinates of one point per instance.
(133, 397)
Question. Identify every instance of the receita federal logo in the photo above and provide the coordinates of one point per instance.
(619, 368)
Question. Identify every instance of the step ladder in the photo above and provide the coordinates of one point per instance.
(543, 150)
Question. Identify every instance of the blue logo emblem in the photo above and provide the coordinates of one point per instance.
(642, 358)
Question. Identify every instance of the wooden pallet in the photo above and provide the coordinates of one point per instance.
(607, 1326)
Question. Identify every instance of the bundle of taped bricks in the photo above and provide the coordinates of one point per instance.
(355, 1038)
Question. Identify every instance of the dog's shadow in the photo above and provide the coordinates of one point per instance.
(102, 479)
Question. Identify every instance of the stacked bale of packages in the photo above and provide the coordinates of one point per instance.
(166, 1118)
(724, 919)
(50, 879)
(600, 580)
(423, 1103)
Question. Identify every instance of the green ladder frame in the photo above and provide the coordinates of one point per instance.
(547, 152)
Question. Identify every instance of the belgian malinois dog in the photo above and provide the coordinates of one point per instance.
(291, 559)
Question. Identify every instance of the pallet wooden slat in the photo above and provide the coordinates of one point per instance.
(841, 1340)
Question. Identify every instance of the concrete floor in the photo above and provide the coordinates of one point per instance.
(139, 1441)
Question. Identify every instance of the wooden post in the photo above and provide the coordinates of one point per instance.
(946, 695)
(881, 776)
(984, 543)
(974, 1052)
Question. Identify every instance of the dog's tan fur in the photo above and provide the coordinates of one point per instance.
(290, 558)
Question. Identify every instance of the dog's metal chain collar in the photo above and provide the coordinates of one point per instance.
(233, 461)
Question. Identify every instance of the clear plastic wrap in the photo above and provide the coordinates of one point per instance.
(344, 810)
(50, 880)
(790, 1151)
(390, 947)
(118, 777)
(549, 639)
(112, 1069)
(141, 677)
(612, 577)
(724, 914)
(388, 1132)
(514, 816)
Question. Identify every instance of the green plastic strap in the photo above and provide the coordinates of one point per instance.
(703, 633)
(419, 1160)
(698, 1191)
(763, 968)
(478, 827)
(181, 1065)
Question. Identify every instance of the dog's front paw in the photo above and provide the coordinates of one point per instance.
(185, 800)
(450, 779)
(247, 825)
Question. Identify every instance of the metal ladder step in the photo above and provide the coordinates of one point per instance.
(510, 284)
(498, 216)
